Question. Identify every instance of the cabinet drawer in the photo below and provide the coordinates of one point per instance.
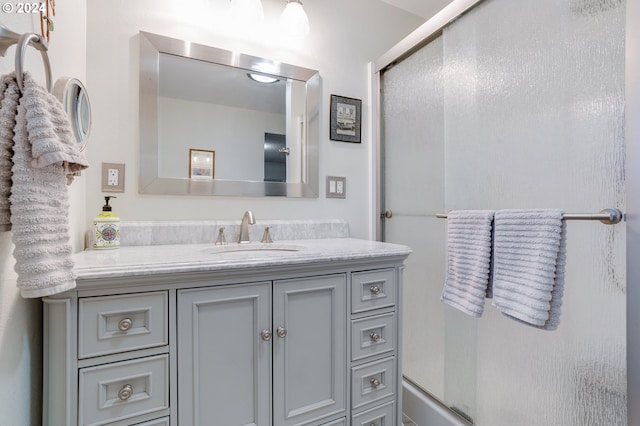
(113, 324)
(373, 290)
(373, 335)
(122, 390)
(382, 415)
(372, 382)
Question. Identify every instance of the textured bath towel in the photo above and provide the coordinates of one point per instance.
(468, 260)
(45, 152)
(9, 95)
(529, 261)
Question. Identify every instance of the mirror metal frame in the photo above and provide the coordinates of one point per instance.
(151, 46)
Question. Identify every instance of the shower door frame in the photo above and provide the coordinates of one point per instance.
(433, 28)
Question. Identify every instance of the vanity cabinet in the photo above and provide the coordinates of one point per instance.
(246, 340)
(263, 343)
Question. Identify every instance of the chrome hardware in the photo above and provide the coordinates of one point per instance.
(125, 393)
(125, 324)
(375, 290)
(247, 219)
(375, 383)
(281, 332)
(374, 336)
(266, 237)
(608, 216)
(388, 214)
(221, 240)
(266, 335)
(285, 151)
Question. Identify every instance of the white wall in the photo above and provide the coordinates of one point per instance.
(20, 319)
(345, 36)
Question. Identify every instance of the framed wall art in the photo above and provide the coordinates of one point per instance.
(202, 163)
(346, 119)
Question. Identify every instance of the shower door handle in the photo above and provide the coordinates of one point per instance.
(388, 214)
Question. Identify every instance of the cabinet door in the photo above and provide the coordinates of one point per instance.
(225, 362)
(309, 371)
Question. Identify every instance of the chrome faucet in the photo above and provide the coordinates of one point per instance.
(247, 220)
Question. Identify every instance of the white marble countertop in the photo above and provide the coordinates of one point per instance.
(179, 258)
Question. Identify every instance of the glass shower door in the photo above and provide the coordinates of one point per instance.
(518, 104)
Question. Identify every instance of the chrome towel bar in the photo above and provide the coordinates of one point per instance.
(607, 216)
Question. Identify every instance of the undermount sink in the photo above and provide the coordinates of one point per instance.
(255, 248)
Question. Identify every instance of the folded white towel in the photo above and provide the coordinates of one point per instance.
(529, 258)
(468, 260)
(44, 153)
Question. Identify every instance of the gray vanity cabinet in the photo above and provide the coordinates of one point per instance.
(153, 337)
(245, 340)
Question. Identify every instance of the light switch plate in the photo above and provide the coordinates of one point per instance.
(112, 177)
(336, 187)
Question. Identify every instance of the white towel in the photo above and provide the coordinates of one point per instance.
(529, 260)
(45, 151)
(9, 96)
(468, 260)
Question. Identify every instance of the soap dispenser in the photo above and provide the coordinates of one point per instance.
(106, 228)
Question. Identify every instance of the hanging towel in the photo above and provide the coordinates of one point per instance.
(529, 260)
(468, 260)
(9, 95)
(45, 152)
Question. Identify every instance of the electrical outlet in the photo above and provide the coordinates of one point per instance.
(112, 177)
(336, 187)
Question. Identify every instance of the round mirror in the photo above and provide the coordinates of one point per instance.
(75, 100)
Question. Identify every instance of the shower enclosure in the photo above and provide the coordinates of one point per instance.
(514, 104)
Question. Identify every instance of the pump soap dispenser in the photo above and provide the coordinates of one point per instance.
(107, 228)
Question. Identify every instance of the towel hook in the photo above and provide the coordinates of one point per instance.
(41, 45)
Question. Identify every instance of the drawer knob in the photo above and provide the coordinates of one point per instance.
(125, 393)
(282, 332)
(266, 335)
(375, 290)
(375, 383)
(125, 324)
(374, 336)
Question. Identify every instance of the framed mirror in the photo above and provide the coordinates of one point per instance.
(215, 122)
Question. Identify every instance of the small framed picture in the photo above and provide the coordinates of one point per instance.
(202, 163)
(346, 119)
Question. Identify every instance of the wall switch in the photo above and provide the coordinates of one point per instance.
(336, 187)
(112, 177)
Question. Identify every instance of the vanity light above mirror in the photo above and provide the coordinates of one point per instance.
(255, 119)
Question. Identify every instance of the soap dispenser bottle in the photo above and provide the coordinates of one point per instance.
(106, 228)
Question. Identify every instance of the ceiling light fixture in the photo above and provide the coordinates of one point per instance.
(247, 12)
(294, 21)
(260, 78)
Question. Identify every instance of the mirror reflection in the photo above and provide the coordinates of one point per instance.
(255, 119)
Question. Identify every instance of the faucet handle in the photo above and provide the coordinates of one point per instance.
(266, 237)
(221, 240)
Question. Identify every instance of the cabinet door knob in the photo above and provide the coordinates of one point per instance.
(374, 336)
(281, 331)
(375, 383)
(375, 290)
(125, 393)
(266, 335)
(125, 324)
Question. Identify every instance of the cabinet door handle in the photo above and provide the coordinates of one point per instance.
(375, 383)
(282, 332)
(125, 324)
(374, 336)
(266, 335)
(375, 290)
(125, 393)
